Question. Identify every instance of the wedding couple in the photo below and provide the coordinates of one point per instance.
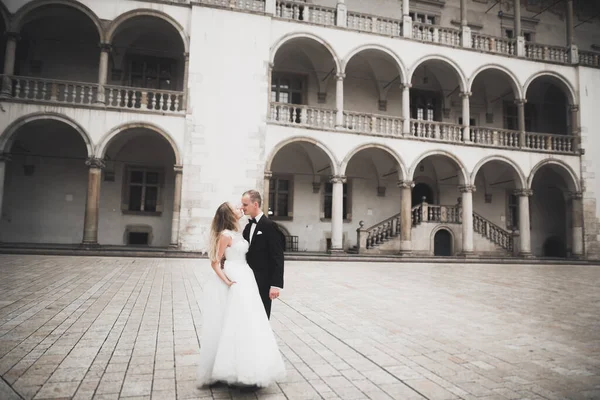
(238, 346)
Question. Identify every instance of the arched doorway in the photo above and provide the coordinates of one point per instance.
(554, 246)
(422, 191)
(442, 243)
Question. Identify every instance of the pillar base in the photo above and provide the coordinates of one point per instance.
(90, 244)
(468, 254)
(174, 246)
(525, 254)
(336, 251)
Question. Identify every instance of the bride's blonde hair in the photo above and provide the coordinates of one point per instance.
(225, 219)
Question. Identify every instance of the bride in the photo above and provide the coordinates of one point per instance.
(237, 345)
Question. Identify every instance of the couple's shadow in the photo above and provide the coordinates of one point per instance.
(242, 388)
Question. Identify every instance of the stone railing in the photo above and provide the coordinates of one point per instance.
(53, 91)
(292, 114)
(245, 5)
(589, 59)
(492, 232)
(549, 142)
(144, 99)
(299, 11)
(425, 212)
(546, 53)
(375, 24)
(377, 234)
(373, 124)
(435, 130)
(493, 44)
(495, 137)
(436, 34)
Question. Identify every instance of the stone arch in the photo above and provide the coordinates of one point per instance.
(121, 19)
(522, 184)
(296, 35)
(108, 138)
(7, 136)
(19, 17)
(573, 183)
(464, 180)
(395, 156)
(570, 92)
(459, 72)
(516, 85)
(5, 15)
(280, 145)
(434, 231)
(401, 68)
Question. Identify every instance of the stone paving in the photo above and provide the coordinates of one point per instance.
(108, 328)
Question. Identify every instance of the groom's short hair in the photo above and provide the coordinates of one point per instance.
(254, 196)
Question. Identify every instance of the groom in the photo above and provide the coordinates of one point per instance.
(265, 255)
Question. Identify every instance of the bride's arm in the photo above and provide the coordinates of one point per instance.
(224, 242)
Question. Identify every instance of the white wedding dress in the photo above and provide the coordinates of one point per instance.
(238, 345)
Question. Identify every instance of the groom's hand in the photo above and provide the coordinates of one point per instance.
(273, 293)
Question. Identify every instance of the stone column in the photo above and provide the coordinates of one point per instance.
(339, 101)
(9, 63)
(270, 7)
(406, 19)
(575, 131)
(577, 209)
(4, 158)
(524, 228)
(406, 109)
(186, 75)
(464, 25)
(176, 206)
(92, 205)
(518, 33)
(406, 216)
(105, 50)
(337, 213)
(521, 121)
(341, 14)
(466, 116)
(266, 188)
(467, 219)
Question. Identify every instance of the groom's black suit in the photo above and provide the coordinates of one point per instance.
(265, 257)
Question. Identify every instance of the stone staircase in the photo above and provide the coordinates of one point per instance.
(384, 237)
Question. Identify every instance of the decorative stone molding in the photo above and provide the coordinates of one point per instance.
(13, 36)
(523, 192)
(466, 94)
(268, 174)
(316, 187)
(5, 157)
(105, 47)
(574, 107)
(382, 105)
(406, 184)
(340, 77)
(467, 188)
(406, 86)
(576, 195)
(518, 102)
(337, 179)
(94, 162)
(322, 97)
(178, 169)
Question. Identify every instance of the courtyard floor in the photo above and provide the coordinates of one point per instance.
(108, 328)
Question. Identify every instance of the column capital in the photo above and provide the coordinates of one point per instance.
(337, 179)
(576, 195)
(178, 168)
(466, 94)
(105, 47)
(520, 101)
(406, 85)
(523, 192)
(340, 76)
(268, 174)
(186, 55)
(94, 162)
(406, 184)
(467, 188)
(4, 157)
(574, 107)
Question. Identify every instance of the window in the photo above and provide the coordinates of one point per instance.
(424, 105)
(328, 200)
(152, 73)
(288, 88)
(511, 116)
(143, 190)
(510, 34)
(422, 18)
(280, 197)
(512, 220)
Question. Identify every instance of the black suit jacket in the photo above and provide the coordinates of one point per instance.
(265, 255)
